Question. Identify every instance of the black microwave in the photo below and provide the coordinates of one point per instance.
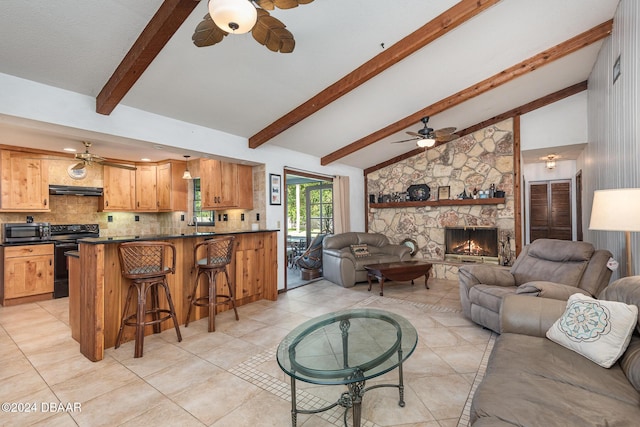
(26, 232)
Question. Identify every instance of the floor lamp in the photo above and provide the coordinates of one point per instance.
(617, 210)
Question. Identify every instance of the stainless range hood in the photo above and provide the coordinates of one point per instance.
(73, 190)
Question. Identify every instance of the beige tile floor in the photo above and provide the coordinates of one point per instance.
(230, 377)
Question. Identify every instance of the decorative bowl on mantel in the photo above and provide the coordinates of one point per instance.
(419, 192)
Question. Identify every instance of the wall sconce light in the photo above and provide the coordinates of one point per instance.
(186, 174)
(551, 161)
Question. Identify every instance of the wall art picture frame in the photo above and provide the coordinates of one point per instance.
(444, 192)
(275, 189)
(616, 69)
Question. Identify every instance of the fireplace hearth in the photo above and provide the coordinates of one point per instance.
(471, 244)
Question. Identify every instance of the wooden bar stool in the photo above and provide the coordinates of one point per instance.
(218, 254)
(147, 266)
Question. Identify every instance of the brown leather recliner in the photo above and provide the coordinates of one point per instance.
(546, 268)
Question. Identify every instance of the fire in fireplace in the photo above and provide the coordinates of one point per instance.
(471, 244)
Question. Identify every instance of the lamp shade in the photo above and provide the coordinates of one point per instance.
(426, 142)
(616, 210)
(233, 16)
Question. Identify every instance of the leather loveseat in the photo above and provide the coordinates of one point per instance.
(532, 381)
(341, 266)
(547, 268)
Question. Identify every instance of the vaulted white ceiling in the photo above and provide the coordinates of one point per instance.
(240, 87)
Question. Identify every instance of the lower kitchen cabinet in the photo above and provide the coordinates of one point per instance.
(27, 273)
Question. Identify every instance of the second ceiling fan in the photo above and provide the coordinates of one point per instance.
(428, 137)
(242, 16)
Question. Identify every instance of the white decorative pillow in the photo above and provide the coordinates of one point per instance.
(596, 329)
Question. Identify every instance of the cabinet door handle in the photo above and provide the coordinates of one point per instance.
(50, 262)
(106, 203)
(45, 202)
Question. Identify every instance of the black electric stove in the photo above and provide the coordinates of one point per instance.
(65, 238)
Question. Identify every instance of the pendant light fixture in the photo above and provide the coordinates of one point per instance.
(233, 16)
(186, 174)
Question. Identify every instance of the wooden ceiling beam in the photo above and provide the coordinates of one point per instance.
(528, 65)
(169, 17)
(445, 22)
(518, 111)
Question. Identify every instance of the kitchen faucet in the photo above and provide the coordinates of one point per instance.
(195, 222)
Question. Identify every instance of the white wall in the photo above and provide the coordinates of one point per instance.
(562, 123)
(34, 101)
(612, 158)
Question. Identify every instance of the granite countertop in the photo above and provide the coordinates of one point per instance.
(120, 239)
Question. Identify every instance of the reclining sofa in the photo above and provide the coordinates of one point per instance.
(547, 268)
(532, 381)
(341, 266)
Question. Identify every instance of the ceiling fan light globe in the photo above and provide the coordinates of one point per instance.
(426, 142)
(233, 16)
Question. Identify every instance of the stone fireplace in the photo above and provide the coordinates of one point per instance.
(474, 161)
(471, 244)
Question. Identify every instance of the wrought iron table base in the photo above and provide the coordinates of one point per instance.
(349, 399)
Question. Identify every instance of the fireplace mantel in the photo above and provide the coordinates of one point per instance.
(452, 202)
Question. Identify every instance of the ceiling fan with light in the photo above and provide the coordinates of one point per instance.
(87, 159)
(242, 16)
(427, 137)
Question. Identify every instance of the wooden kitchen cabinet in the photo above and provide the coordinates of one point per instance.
(119, 190)
(225, 185)
(27, 273)
(245, 187)
(24, 183)
(172, 189)
(146, 188)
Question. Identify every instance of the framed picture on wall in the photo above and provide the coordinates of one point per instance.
(275, 189)
(444, 193)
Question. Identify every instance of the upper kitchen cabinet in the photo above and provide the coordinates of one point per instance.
(150, 188)
(146, 188)
(172, 189)
(225, 185)
(24, 183)
(119, 189)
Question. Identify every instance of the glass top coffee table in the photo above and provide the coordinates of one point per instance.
(347, 347)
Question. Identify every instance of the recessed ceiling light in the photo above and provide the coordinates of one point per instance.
(145, 159)
(71, 150)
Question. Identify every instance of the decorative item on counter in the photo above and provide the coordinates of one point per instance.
(492, 191)
(464, 195)
(475, 193)
(483, 194)
(419, 192)
(380, 197)
(386, 198)
(499, 194)
(372, 198)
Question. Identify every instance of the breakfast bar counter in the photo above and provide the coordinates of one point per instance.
(97, 290)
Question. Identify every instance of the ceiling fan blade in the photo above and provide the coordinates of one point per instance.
(416, 134)
(272, 33)
(406, 140)
(118, 165)
(78, 166)
(280, 4)
(447, 138)
(445, 131)
(207, 33)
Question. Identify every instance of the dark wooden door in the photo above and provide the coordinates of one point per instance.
(550, 204)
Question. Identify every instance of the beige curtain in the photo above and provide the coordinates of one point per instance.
(341, 215)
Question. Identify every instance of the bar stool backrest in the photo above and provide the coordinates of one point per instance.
(219, 251)
(142, 260)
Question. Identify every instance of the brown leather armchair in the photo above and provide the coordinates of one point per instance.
(546, 268)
